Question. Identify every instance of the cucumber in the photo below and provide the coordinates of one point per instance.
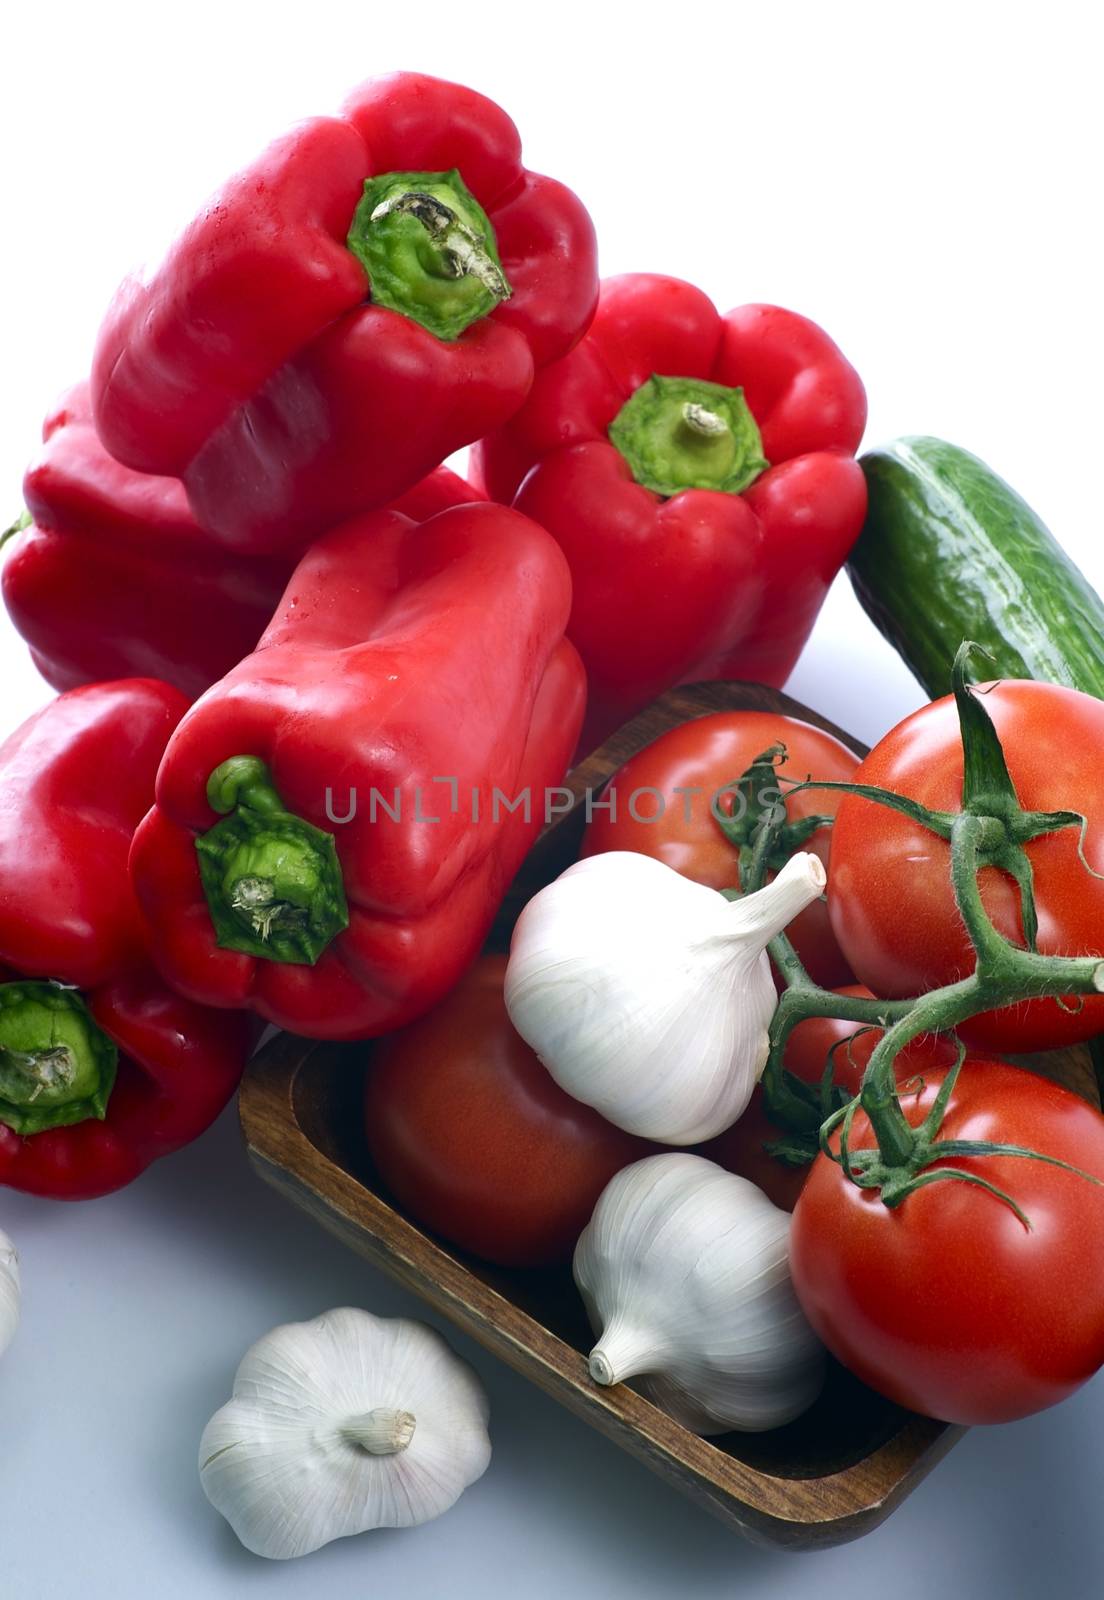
(950, 552)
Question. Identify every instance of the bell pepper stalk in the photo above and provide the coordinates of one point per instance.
(991, 829)
(56, 1066)
(338, 820)
(108, 575)
(697, 471)
(272, 880)
(21, 522)
(103, 1068)
(682, 433)
(429, 250)
(373, 292)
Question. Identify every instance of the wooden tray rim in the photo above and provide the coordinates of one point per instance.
(773, 1509)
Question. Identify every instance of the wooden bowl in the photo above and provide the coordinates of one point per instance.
(834, 1474)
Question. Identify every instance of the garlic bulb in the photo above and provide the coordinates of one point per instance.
(684, 1272)
(339, 1425)
(648, 996)
(9, 1292)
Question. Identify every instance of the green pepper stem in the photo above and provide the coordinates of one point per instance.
(429, 250)
(57, 1066)
(699, 420)
(272, 879)
(689, 433)
(245, 781)
(21, 522)
(462, 251)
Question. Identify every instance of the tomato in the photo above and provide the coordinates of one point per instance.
(703, 756)
(477, 1142)
(740, 1148)
(948, 1304)
(889, 887)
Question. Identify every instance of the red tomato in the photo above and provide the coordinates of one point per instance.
(477, 1142)
(740, 1148)
(947, 1304)
(889, 887)
(704, 756)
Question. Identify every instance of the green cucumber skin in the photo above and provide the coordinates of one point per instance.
(950, 552)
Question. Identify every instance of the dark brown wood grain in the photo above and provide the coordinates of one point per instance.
(832, 1475)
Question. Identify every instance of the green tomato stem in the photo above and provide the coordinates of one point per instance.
(990, 830)
(1003, 976)
(790, 1102)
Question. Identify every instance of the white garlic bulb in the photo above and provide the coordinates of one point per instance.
(343, 1424)
(648, 996)
(9, 1291)
(685, 1275)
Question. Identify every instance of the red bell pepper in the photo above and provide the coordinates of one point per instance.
(696, 470)
(109, 575)
(372, 293)
(102, 1067)
(327, 847)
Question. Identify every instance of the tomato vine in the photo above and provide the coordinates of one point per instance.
(990, 830)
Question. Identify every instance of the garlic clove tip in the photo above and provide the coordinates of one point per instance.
(600, 1368)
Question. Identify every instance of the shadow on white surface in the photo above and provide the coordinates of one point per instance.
(139, 1307)
(862, 208)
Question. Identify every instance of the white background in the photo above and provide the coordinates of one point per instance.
(923, 181)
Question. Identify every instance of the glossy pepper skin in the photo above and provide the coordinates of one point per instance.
(408, 666)
(75, 780)
(687, 582)
(113, 577)
(257, 362)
